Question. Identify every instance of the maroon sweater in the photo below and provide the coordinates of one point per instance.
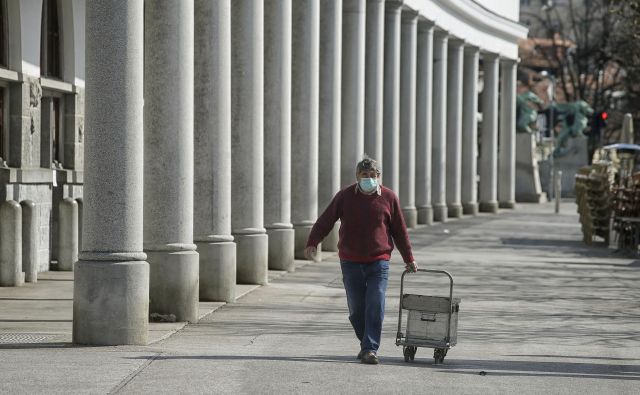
(370, 224)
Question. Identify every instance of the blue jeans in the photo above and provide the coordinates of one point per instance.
(365, 285)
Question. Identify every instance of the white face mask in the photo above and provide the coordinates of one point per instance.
(368, 184)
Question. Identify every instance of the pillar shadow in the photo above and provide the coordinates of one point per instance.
(34, 346)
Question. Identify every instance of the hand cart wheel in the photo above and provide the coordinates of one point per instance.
(409, 353)
(439, 354)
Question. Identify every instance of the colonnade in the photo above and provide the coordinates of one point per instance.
(250, 132)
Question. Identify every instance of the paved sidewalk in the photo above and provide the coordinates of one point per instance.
(540, 313)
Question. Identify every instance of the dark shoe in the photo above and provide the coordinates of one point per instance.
(359, 357)
(370, 358)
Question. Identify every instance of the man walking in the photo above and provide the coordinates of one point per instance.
(371, 222)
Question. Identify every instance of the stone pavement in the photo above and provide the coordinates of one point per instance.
(540, 313)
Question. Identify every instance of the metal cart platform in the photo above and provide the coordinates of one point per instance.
(432, 321)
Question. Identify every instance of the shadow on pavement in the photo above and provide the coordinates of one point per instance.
(459, 366)
(571, 357)
(542, 369)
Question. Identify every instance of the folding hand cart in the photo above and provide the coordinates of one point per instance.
(432, 321)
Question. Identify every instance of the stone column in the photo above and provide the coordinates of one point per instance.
(277, 132)
(408, 54)
(111, 279)
(212, 150)
(353, 79)
(330, 108)
(168, 159)
(247, 106)
(30, 235)
(26, 112)
(470, 131)
(391, 116)
(67, 234)
(374, 79)
(304, 119)
(424, 103)
(507, 159)
(489, 136)
(454, 127)
(11, 244)
(439, 146)
(80, 203)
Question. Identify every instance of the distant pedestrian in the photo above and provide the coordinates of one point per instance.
(371, 222)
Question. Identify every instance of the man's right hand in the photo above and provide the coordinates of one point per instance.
(311, 253)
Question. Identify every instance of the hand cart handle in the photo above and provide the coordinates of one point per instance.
(429, 271)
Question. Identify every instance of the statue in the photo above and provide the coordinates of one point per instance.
(574, 118)
(526, 115)
(528, 188)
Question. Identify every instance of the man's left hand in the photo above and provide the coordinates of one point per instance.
(412, 266)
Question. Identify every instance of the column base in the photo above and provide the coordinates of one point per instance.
(173, 284)
(217, 271)
(489, 207)
(252, 265)
(111, 303)
(425, 215)
(509, 204)
(470, 208)
(302, 235)
(330, 243)
(454, 210)
(281, 245)
(410, 217)
(440, 213)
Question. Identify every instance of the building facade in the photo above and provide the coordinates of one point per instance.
(255, 114)
(42, 109)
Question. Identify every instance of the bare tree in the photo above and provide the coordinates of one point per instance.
(626, 51)
(581, 50)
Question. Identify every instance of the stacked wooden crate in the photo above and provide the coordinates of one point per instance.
(593, 196)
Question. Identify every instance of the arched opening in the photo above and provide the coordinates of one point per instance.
(50, 42)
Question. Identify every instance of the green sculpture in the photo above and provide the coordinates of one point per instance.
(526, 115)
(574, 118)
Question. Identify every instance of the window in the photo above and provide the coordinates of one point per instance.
(50, 59)
(56, 152)
(3, 154)
(3, 37)
(51, 138)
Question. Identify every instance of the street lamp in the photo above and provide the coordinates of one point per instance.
(552, 97)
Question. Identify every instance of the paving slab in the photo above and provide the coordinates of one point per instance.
(42, 312)
(541, 313)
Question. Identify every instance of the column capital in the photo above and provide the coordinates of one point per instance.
(490, 56)
(393, 6)
(440, 35)
(425, 25)
(455, 42)
(509, 62)
(409, 16)
(471, 49)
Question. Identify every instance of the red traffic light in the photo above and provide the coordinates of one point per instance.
(604, 115)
